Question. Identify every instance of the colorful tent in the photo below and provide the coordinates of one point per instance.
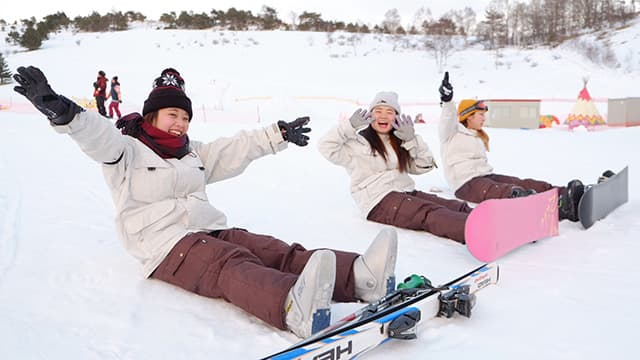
(584, 111)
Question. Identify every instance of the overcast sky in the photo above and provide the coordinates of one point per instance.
(369, 11)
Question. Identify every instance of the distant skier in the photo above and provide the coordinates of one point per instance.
(464, 145)
(100, 92)
(379, 149)
(158, 177)
(116, 97)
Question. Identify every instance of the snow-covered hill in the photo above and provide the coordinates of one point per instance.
(68, 289)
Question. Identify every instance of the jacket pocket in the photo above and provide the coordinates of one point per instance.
(201, 214)
(370, 180)
(147, 216)
(152, 181)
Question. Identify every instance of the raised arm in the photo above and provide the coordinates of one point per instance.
(99, 139)
(448, 117)
(228, 157)
(332, 144)
(422, 159)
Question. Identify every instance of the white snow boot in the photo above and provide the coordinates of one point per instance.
(308, 304)
(374, 271)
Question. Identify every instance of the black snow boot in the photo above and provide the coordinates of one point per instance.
(517, 192)
(565, 207)
(575, 190)
(605, 175)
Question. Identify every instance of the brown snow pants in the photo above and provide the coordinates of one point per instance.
(495, 186)
(253, 272)
(417, 210)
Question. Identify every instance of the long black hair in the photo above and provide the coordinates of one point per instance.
(377, 146)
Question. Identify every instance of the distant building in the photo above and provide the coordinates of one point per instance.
(624, 112)
(513, 113)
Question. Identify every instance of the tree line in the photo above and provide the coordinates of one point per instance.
(514, 23)
(504, 23)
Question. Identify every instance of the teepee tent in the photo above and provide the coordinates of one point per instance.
(584, 111)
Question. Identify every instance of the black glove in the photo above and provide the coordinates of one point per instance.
(446, 90)
(294, 131)
(34, 86)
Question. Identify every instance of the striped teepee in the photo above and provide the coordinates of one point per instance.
(584, 111)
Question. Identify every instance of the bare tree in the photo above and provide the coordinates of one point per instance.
(468, 20)
(422, 16)
(391, 22)
(440, 47)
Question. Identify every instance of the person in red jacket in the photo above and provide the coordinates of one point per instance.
(100, 92)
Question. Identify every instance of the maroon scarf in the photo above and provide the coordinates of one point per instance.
(166, 145)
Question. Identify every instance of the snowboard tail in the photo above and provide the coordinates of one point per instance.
(599, 200)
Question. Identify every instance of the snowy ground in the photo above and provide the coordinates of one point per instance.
(68, 289)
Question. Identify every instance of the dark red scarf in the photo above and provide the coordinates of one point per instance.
(166, 145)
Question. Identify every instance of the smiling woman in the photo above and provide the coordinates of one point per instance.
(158, 180)
(379, 148)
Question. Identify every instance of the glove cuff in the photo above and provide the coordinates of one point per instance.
(283, 129)
(66, 116)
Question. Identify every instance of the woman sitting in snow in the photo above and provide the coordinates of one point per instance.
(379, 160)
(157, 177)
(464, 145)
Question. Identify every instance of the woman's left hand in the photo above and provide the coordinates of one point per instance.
(294, 132)
(404, 127)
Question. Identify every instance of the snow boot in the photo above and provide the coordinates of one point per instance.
(568, 201)
(605, 175)
(518, 191)
(308, 304)
(374, 272)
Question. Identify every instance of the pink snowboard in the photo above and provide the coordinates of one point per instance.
(496, 227)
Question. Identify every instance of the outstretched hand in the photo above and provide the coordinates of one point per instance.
(360, 118)
(294, 131)
(35, 87)
(446, 90)
(404, 128)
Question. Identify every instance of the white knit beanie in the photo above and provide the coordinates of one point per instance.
(388, 98)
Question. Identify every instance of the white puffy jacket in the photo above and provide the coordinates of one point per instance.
(372, 178)
(158, 201)
(463, 152)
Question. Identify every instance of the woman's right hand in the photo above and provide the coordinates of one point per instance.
(446, 90)
(360, 118)
(35, 87)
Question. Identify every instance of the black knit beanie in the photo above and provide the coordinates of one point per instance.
(168, 91)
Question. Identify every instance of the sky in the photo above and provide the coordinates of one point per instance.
(371, 11)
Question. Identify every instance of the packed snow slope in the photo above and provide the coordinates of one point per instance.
(69, 290)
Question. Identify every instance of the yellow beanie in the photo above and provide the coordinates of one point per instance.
(466, 106)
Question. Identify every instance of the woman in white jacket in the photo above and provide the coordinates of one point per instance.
(157, 177)
(464, 145)
(379, 159)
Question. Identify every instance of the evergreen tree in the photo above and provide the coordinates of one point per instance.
(5, 73)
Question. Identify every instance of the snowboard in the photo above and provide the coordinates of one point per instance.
(497, 226)
(601, 199)
(395, 316)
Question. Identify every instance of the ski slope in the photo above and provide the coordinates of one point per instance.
(69, 290)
